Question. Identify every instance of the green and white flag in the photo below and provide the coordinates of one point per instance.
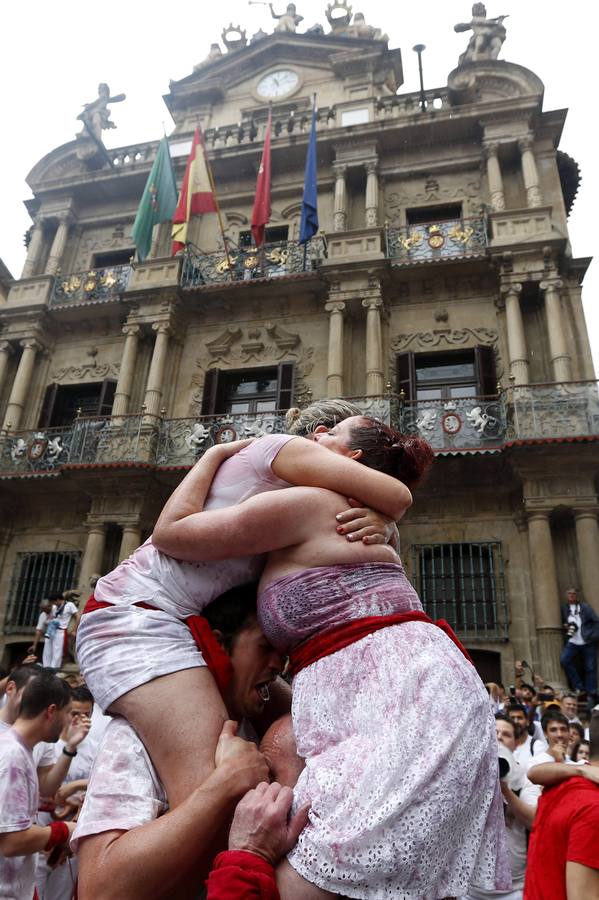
(158, 202)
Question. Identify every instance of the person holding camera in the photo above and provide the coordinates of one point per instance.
(520, 798)
(581, 627)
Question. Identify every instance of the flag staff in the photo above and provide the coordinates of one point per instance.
(215, 195)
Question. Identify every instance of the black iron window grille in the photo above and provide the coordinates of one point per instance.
(36, 575)
(465, 585)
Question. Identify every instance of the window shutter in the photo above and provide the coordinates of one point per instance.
(48, 406)
(406, 375)
(210, 395)
(286, 385)
(486, 373)
(106, 398)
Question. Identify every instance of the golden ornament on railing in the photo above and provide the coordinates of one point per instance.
(108, 280)
(71, 285)
(461, 235)
(251, 262)
(412, 240)
(278, 256)
(225, 265)
(436, 238)
(90, 284)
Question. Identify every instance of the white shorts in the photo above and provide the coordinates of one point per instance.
(121, 647)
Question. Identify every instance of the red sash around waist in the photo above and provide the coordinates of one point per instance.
(215, 657)
(343, 635)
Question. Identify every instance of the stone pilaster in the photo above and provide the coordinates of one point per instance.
(560, 358)
(372, 194)
(131, 539)
(587, 539)
(516, 339)
(494, 176)
(155, 383)
(335, 308)
(530, 174)
(374, 345)
(35, 249)
(122, 393)
(340, 201)
(91, 564)
(546, 596)
(6, 352)
(59, 243)
(21, 384)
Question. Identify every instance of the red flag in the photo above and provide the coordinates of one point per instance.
(197, 196)
(261, 210)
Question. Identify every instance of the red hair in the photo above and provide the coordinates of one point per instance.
(402, 456)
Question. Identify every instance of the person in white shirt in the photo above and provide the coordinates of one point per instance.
(555, 729)
(53, 624)
(527, 746)
(43, 714)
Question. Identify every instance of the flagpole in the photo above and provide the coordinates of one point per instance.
(214, 194)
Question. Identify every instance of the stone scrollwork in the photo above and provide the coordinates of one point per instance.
(87, 372)
(424, 340)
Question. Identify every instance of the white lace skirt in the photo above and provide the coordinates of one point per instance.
(401, 770)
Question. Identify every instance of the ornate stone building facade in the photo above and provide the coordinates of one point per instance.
(442, 292)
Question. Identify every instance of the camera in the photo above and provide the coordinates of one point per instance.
(571, 629)
(510, 771)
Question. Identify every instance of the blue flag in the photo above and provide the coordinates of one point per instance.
(309, 220)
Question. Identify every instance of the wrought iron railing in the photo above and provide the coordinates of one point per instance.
(562, 409)
(464, 584)
(91, 286)
(245, 264)
(459, 423)
(436, 241)
(535, 411)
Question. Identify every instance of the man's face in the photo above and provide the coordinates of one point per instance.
(557, 734)
(255, 665)
(518, 718)
(526, 695)
(572, 597)
(56, 721)
(569, 707)
(506, 734)
(79, 708)
(573, 736)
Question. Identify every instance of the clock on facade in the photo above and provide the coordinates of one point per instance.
(277, 84)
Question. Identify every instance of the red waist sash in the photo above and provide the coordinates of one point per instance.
(341, 636)
(215, 657)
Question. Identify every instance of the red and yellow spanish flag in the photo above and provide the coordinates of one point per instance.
(261, 210)
(197, 196)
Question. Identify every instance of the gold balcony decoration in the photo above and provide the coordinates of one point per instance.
(434, 241)
(90, 286)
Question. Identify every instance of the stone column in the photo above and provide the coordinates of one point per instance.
(335, 309)
(530, 174)
(35, 249)
(155, 383)
(59, 244)
(130, 541)
(494, 177)
(374, 345)
(372, 194)
(5, 354)
(122, 394)
(560, 358)
(93, 554)
(587, 539)
(340, 205)
(546, 597)
(21, 384)
(515, 333)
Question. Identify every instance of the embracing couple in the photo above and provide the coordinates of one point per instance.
(387, 817)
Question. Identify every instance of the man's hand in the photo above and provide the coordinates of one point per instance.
(239, 761)
(261, 825)
(77, 731)
(30, 658)
(360, 523)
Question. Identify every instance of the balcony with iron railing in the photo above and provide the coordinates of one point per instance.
(530, 413)
(244, 264)
(436, 241)
(91, 286)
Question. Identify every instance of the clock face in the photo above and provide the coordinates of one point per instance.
(277, 84)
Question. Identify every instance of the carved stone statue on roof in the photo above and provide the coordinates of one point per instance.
(360, 29)
(234, 37)
(487, 35)
(339, 23)
(341, 27)
(215, 53)
(289, 20)
(96, 115)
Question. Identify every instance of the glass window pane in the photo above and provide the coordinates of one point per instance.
(238, 406)
(463, 390)
(428, 394)
(445, 371)
(266, 405)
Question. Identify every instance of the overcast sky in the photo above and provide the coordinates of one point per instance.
(54, 54)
